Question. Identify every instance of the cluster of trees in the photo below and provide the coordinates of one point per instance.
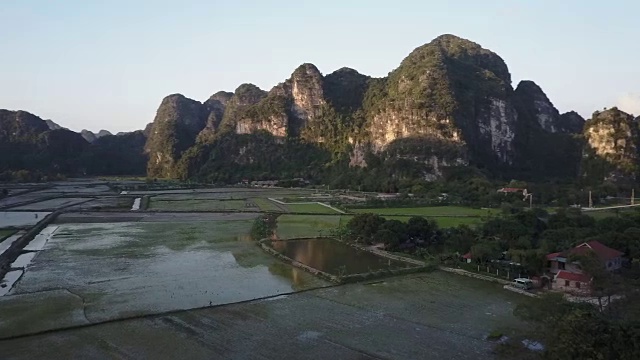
(580, 330)
(264, 226)
(417, 233)
(608, 330)
(522, 236)
(23, 176)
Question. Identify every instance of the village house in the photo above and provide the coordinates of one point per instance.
(568, 275)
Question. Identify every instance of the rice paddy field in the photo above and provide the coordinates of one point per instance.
(186, 281)
(444, 216)
(293, 226)
(201, 205)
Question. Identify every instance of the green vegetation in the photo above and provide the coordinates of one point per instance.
(266, 204)
(264, 227)
(444, 216)
(6, 233)
(395, 235)
(580, 330)
(443, 222)
(292, 226)
(623, 136)
(310, 208)
(601, 214)
(431, 211)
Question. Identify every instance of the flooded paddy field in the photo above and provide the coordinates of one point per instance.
(52, 204)
(20, 219)
(202, 205)
(103, 281)
(425, 316)
(334, 257)
(125, 269)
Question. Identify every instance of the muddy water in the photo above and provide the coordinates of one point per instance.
(335, 257)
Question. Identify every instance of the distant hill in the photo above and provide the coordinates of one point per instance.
(29, 143)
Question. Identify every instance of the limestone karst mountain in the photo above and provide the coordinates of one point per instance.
(449, 103)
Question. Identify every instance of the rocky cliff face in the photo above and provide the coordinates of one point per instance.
(52, 125)
(244, 97)
(536, 105)
(449, 103)
(177, 123)
(215, 106)
(612, 146)
(450, 89)
(287, 108)
(571, 123)
(546, 143)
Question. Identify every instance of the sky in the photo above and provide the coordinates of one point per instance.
(89, 64)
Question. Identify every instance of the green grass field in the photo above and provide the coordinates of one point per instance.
(201, 205)
(292, 226)
(310, 208)
(430, 211)
(6, 233)
(266, 204)
(601, 214)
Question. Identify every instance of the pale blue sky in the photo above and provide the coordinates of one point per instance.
(108, 64)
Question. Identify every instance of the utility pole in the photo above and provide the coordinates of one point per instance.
(528, 195)
(590, 200)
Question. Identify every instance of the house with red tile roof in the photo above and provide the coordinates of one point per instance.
(568, 275)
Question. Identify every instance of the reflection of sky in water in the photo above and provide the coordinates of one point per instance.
(154, 277)
(334, 257)
(8, 218)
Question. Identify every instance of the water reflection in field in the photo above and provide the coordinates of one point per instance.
(334, 257)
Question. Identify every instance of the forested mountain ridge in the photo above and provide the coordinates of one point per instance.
(449, 103)
(36, 148)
